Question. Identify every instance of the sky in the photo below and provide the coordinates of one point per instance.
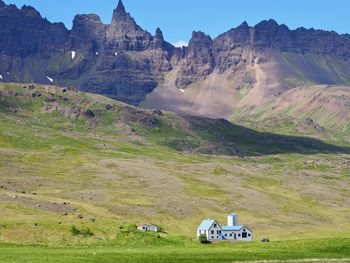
(178, 18)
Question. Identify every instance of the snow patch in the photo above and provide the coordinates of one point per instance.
(8, 73)
(73, 54)
(182, 91)
(96, 53)
(116, 54)
(1, 77)
(50, 79)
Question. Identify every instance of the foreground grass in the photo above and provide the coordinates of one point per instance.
(190, 252)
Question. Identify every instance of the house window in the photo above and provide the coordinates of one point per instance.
(212, 232)
(215, 225)
(225, 235)
(248, 235)
(239, 235)
(244, 235)
(212, 237)
(230, 235)
(219, 231)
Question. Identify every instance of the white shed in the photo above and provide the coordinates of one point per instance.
(147, 228)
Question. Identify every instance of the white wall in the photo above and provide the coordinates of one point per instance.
(213, 233)
(239, 235)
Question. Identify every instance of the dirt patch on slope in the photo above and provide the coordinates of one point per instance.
(39, 205)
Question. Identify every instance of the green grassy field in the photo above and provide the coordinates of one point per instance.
(60, 167)
(326, 249)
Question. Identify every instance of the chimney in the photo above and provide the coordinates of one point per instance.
(232, 220)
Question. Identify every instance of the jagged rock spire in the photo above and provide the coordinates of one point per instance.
(159, 34)
(119, 13)
(120, 7)
(158, 38)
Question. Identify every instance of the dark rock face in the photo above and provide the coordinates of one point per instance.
(125, 62)
(124, 34)
(24, 32)
(245, 46)
(198, 62)
(88, 32)
(270, 35)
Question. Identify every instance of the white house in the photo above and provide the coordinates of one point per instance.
(231, 232)
(147, 228)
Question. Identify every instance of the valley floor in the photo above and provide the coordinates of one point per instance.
(317, 250)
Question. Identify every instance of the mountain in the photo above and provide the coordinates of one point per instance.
(232, 76)
(247, 67)
(120, 60)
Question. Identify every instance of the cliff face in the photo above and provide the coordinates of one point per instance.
(244, 66)
(24, 32)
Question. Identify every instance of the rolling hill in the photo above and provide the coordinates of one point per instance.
(73, 158)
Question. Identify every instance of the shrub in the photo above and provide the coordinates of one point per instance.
(161, 229)
(203, 239)
(81, 232)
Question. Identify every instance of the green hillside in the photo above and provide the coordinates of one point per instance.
(71, 158)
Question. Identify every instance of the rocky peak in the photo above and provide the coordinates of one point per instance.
(270, 24)
(199, 60)
(200, 40)
(122, 21)
(24, 32)
(159, 34)
(30, 12)
(124, 34)
(158, 39)
(87, 32)
(243, 26)
(119, 12)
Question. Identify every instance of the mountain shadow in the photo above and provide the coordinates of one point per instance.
(219, 136)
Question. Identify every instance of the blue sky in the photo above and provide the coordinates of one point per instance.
(178, 18)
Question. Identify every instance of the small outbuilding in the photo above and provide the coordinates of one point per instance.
(147, 228)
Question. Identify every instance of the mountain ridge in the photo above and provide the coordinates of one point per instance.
(246, 66)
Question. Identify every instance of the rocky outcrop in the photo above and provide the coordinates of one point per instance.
(124, 34)
(24, 32)
(198, 62)
(88, 32)
(269, 35)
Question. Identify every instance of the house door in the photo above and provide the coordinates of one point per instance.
(235, 236)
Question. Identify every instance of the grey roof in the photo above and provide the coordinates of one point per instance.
(206, 224)
(233, 228)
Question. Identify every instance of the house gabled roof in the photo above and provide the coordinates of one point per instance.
(206, 224)
(233, 228)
